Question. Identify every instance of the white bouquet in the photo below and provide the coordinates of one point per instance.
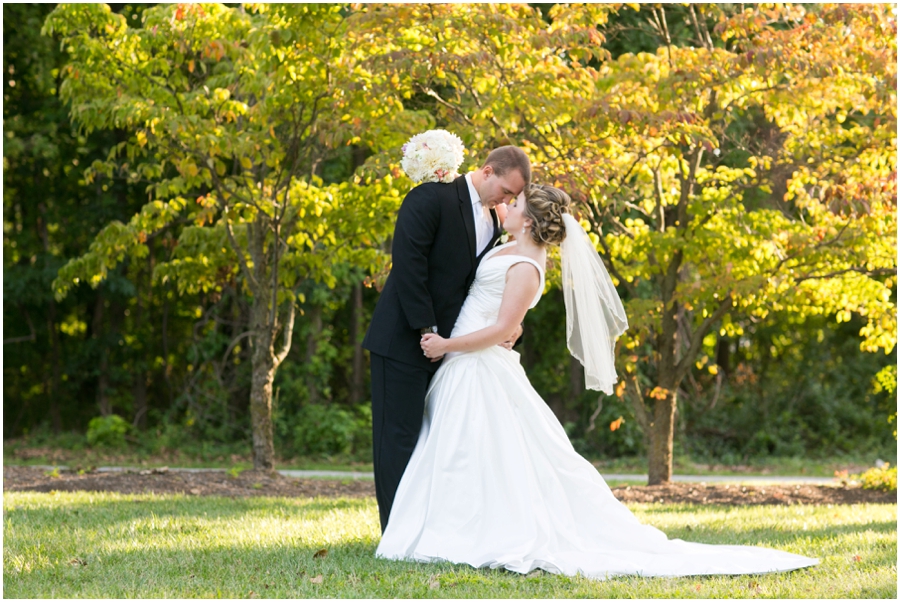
(433, 156)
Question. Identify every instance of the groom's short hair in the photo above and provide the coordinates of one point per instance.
(509, 158)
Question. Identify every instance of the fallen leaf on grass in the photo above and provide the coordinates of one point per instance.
(697, 587)
(78, 561)
(321, 553)
(318, 579)
(857, 558)
(434, 583)
(252, 594)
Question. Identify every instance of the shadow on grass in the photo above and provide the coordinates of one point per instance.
(128, 508)
(750, 536)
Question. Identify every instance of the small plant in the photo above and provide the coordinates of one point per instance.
(53, 474)
(257, 485)
(107, 431)
(882, 478)
(234, 472)
(324, 430)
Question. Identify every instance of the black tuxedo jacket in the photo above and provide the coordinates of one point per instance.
(434, 264)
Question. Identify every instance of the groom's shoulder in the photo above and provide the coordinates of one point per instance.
(431, 191)
(434, 188)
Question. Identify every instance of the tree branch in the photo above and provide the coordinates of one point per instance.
(242, 261)
(637, 403)
(685, 363)
(288, 333)
(865, 272)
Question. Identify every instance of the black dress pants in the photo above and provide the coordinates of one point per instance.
(398, 406)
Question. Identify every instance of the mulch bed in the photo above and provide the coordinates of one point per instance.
(247, 483)
(250, 483)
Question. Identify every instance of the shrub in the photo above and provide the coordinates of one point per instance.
(324, 430)
(362, 435)
(881, 479)
(107, 431)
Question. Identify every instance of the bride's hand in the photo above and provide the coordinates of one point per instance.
(508, 345)
(434, 345)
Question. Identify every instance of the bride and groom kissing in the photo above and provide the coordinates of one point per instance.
(471, 466)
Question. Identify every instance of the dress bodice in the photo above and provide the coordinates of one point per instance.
(482, 305)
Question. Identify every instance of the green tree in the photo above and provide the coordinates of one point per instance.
(233, 111)
(63, 360)
(746, 168)
(753, 172)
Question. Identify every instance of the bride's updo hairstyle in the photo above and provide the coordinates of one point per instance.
(545, 206)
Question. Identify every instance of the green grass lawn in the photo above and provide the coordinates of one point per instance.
(116, 546)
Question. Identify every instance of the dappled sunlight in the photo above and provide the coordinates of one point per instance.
(110, 545)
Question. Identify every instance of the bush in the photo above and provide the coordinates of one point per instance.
(362, 435)
(880, 479)
(107, 431)
(324, 430)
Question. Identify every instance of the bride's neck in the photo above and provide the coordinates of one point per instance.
(527, 246)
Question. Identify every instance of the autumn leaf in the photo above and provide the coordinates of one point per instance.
(659, 393)
(318, 579)
(321, 553)
(615, 424)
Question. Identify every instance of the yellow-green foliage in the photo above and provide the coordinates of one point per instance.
(881, 479)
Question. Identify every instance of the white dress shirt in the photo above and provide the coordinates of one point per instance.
(484, 224)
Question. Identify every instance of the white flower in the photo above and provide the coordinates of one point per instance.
(432, 156)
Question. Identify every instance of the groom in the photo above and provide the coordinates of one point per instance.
(442, 232)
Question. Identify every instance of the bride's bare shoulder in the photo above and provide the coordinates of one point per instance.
(525, 272)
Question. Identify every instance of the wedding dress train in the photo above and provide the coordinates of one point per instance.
(494, 481)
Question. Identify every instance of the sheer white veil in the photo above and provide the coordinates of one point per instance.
(595, 316)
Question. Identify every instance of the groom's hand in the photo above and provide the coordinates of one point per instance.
(433, 345)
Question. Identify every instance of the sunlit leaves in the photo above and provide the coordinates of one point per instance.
(232, 104)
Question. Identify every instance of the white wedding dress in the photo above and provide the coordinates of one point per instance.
(494, 481)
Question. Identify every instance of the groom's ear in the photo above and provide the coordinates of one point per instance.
(487, 170)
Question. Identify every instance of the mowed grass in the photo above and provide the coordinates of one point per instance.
(116, 546)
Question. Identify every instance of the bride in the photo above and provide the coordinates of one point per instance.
(494, 481)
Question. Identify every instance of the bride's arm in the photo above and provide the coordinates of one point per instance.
(522, 283)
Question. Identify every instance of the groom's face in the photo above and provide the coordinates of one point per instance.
(497, 189)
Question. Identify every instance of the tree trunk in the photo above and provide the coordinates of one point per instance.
(723, 355)
(53, 392)
(139, 390)
(261, 389)
(576, 377)
(103, 368)
(356, 318)
(312, 339)
(53, 386)
(662, 439)
(665, 394)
